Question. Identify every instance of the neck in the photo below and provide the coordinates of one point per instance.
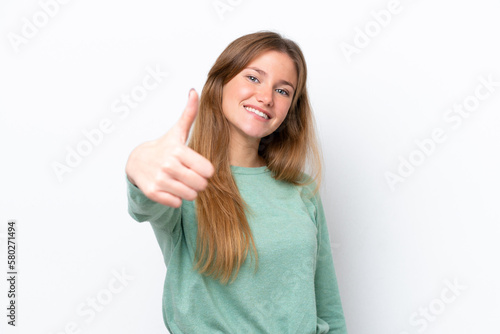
(245, 155)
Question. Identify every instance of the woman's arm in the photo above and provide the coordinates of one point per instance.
(143, 209)
(328, 303)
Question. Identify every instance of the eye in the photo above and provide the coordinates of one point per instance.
(282, 91)
(252, 78)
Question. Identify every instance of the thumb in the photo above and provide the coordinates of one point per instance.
(188, 116)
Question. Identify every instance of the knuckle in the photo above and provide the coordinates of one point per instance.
(210, 169)
(158, 179)
(203, 184)
(177, 151)
(175, 203)
(192, 196)
(150, 192)
(167, 167)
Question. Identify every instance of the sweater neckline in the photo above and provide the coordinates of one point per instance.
(249, 170)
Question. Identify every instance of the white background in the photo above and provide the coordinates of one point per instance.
(394, 248)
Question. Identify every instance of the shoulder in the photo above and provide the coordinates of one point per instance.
(308, 187)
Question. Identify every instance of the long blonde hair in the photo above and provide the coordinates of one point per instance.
(224, 235)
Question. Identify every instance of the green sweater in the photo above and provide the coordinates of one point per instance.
(294, 289)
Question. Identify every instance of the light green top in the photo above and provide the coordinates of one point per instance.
(295, 288)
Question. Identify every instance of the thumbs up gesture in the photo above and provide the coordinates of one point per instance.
(165, 169)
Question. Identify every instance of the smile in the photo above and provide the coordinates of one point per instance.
(257, 112)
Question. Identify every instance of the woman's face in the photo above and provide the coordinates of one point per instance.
(266, 85)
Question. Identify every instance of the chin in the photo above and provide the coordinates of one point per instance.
(254, 133)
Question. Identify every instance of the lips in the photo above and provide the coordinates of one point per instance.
(259, 109)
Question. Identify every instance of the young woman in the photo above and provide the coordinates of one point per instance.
(236, 203)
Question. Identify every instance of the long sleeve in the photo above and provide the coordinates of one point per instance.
(328, 303)
(294, 289)
(142, 209)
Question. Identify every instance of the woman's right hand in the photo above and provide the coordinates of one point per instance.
(165, 169)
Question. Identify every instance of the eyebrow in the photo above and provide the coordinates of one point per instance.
(261, 72)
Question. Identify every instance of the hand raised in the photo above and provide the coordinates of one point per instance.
(165, 169)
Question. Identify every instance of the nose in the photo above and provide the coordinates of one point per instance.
(265, 96)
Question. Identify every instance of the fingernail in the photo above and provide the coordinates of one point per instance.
(190, 91)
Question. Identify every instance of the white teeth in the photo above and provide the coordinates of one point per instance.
(261, 114)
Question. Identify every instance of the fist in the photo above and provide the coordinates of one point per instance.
(165, 169)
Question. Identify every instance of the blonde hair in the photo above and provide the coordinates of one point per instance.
(224, 235)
